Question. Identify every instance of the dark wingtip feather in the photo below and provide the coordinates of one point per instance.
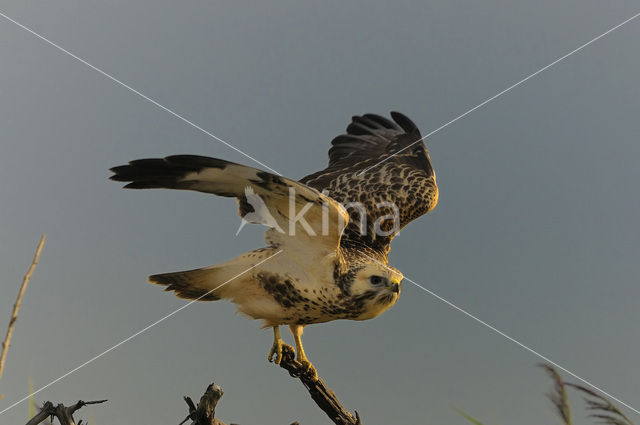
(197, 161)
(160, 279)
(384, 122)
(155, 173)
(366, 121)
(404, 122)
(119, 173)
(358, 129)
(144, 185)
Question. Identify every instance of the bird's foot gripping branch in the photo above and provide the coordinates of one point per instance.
(323, 396)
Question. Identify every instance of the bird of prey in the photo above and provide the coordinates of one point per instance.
(326, 253)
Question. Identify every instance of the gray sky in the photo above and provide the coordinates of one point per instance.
(536, 231)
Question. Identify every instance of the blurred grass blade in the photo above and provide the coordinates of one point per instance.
(32, 400)
(468, 417)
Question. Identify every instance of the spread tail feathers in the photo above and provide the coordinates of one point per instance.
(199, 284)
(213, 283)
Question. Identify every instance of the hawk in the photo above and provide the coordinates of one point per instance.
(326, 251)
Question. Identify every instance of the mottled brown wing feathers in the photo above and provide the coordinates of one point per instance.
(405, 179)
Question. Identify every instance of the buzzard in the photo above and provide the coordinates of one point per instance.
(326, 251)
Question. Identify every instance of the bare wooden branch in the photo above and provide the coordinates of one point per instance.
(204, 413)
(63, 413)
(16, 305)
(43, 414)
(323, 396)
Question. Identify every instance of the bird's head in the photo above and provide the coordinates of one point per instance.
(377, 287)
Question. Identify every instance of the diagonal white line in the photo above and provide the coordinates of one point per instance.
(134, 335)
(131, 89)
(531, 350)
(362, 172)
(499, 332)
(502, 92)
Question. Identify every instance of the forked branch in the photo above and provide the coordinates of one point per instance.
(63, 413)
(204, 413)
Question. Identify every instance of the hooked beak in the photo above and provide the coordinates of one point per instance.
(395, 288)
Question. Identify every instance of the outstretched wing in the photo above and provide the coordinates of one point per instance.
(399, 187)
(287, 201)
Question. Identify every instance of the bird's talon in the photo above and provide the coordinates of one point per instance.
(309, 370)
(276, 350)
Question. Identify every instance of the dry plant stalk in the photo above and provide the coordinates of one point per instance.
(558, 396)
(16, 306)
(601, 408)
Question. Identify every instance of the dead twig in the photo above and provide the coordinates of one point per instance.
(63, 413)
(204, 412)
(16, 305)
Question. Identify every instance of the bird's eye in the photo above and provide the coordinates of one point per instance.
(377, 280)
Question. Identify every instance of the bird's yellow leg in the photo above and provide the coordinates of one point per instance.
(276, 348)
(297, 330)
